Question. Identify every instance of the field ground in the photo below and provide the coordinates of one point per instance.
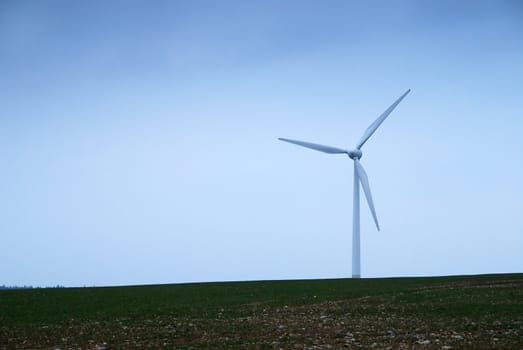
(462, 312)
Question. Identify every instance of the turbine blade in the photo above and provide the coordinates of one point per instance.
(366, 188)
(372, 128)
(315, 146)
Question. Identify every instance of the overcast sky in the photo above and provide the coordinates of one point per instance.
(138, 140)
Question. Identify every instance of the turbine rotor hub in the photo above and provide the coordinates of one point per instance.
(355, 153)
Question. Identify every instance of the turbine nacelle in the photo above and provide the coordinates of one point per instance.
(354, 153)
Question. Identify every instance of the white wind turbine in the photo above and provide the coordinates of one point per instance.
(359, 176)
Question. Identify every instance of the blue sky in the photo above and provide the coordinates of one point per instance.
(138, 139)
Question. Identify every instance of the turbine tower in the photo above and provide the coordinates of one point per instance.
(359, 176)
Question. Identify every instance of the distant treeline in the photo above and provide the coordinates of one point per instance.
(27, 287)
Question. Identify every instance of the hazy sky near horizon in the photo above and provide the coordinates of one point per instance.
(138, 139)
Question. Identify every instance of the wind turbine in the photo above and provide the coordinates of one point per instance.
(359, 176)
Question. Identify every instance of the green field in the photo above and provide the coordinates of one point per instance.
(462, 312)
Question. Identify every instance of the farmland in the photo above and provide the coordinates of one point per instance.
(458, 312)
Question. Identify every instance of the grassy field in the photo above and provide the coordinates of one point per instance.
(462, 312)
